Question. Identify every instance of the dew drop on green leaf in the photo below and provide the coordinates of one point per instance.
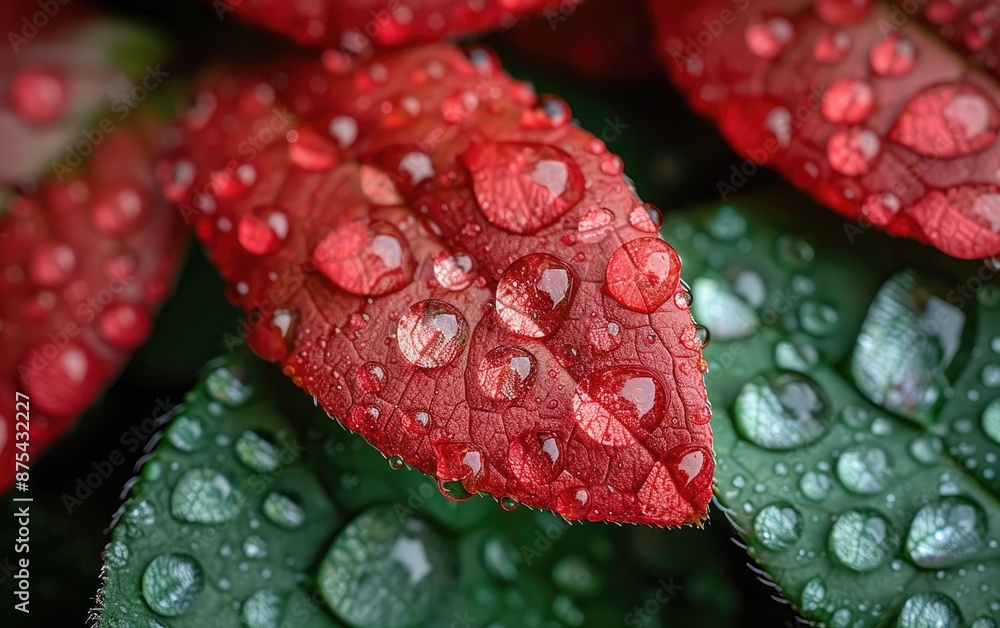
(813, 594)
(257, 452)
(782, 410)
(187, 433)
(383, 570)
(946, 532)
(576, 576)
(171, 584)
(500, 558)
(815, 485)
(864, 470)
(795, 356)
(929, 610)
(205, 496)
(925, 449)
(908, 339)
(991, 420)
(718, 308)
(727, 224)
(284, 511)
(777, 526)
(818, 319)
(262, 609)
(225, 387)
(862, 540)
(255, 547)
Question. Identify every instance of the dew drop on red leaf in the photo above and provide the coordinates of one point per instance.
(506, 373)
(38, 94)
(893, 56)
(947, 120)
(643, 273)
(432, 333)
(769, 37)
(853, 151)
(612, 405)
(848, 101)
(536, 457)
(365, 259)
(534, 295)
(263, 231)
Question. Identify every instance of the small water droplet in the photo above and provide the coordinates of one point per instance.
(431, 334)
(284, 510)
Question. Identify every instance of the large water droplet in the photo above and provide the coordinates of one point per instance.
(908, 339)
(946, 532)
(536, 457)
(614, 404)
(573, 503)
(284, 510)
(263, 231)
(778, 526)
(865, 469)
(929, 610)
(461, 462)
(862, 540)
(384, 570)
(643, 274)
(431, 334)
(522, 187)
(853, 151)
(205, 496)
(782, 410)
(506, 373)
(719, 308)
(310, 151)
(257, 452)
(171, 584)
(366, 259)
(262, 609)
(947, 120)
(535, 294)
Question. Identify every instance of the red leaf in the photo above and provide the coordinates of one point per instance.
(466, 287)
(854, 102)
(84, 263)
(355, 26)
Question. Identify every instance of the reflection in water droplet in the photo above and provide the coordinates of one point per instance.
(783, 410)
(366, 259)
(865, 469)
(991, 420)
(431, 334)
(924, 610)
(613, 404)
(643, 273)
(535, 294)
(506, 373)
(777, 526)
(946, 532)
(862, 540)
(205, 496)
(815, 485)
(947, 120)
(721, 310)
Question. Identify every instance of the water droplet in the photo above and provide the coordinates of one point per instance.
(225, 387)
(926, 449)
(832, 46)
(272, 339)
(777, 526)
(925, 610)
(815, 485)
(853, 151)
(366, 259)
(39, 95)
(605, 336)
(782, 410)
(509, 504)
(431, 334)
(534, 295)
(864, 470)
(171, 584)
(255, 547)
(536, 457)
(262, 609)
(573, 503)
(263, 231)
(614, 404)
(284, 510)
(118, 210)
(257, 452)
(769, 37)
(186, 433)
(947, 120)
(461, 462)
(906, 342)
(124, 325)
(848, 101)
(818, 319)
(454, 490)
(647, 217)
(893, 56)
(814, 595)
(991, 420)
(862, 540)
(205, 496)
(721, 310)
(396, 462)
(684, 472)
(522, 188)
(595, 224)
(344, 129)
(946, 532)
(643, 273)
(506, 373)
(371, 377)
(418, 422)
(51, 264)
(453, 270)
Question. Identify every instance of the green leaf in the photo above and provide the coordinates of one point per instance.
(854, 381)
(244, 516)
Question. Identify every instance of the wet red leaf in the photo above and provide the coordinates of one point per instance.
(353, 27)
(466, 286)
(857, 103)
(85, 260)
